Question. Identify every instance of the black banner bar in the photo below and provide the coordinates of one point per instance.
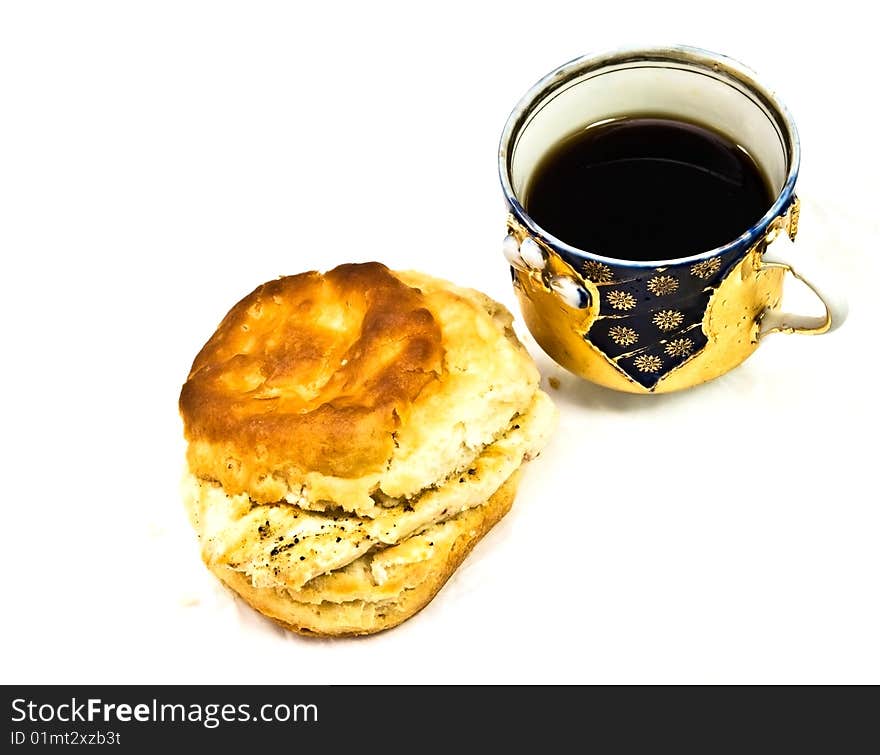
(399, 718)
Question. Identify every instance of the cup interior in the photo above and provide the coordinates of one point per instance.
(676, 83)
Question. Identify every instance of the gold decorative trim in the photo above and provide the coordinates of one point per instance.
(622, 335)
(668, 319)
(648, 363)
(705, 269)
(680, 347)
(661, 285)
(621, 300)
(794, 216)
(598, 272)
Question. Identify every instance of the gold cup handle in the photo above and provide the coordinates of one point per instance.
(775, 321)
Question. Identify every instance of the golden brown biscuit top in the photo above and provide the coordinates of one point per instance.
(315, 371)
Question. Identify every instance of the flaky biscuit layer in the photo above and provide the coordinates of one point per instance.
(347, 388)
(284, 545)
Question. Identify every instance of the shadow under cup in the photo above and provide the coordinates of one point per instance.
(663, 324)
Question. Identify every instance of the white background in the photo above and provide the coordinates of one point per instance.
(159, 160)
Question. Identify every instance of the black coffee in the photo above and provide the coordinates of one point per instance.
(647, 189)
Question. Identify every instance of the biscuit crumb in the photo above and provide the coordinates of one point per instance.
(554, 383)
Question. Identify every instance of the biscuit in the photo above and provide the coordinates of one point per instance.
(353, 386)
(351, 436)
(349, 601)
